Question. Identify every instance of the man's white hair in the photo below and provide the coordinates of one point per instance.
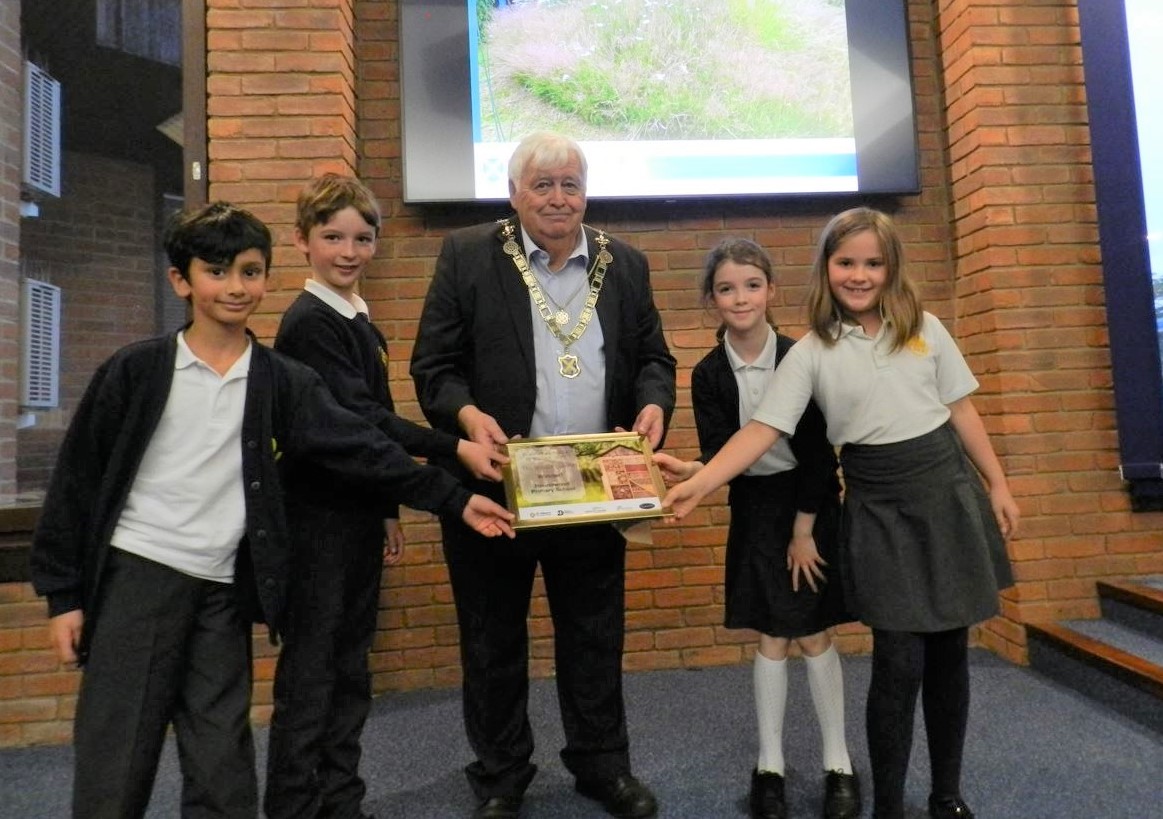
(544, 149)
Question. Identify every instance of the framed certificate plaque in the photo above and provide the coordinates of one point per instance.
(564, 479)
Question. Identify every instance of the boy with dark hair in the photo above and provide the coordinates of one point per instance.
(341, 535)
(163, 532)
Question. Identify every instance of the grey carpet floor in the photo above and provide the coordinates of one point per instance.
(1036, 750)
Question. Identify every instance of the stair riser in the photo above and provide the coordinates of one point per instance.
(1068, 669)
(1132, 616)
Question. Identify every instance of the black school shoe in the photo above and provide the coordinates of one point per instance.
(949, 807)
(498, 807)
(841, 795)
(622, 796)
(766, 798)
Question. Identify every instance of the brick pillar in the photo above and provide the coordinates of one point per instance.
(11, 160)
(1029, 301)
(280, 109)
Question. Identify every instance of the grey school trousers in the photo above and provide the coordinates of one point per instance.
(167, 648)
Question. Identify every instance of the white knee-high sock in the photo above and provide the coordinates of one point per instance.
(826, 682)
(770, 679)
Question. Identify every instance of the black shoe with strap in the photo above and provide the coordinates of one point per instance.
(841, 795)
(949, 807)
(622, 796)
(766, 799)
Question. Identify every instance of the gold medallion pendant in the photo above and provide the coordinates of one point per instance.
(568, 365)
(562, 318)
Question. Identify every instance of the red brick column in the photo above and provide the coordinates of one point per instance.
(281, 108)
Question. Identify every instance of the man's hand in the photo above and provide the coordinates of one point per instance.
(480, 459)
(651, 423)
(481, 427)
(487, 517)
(393, 541)
(64, 633)
(673, 470)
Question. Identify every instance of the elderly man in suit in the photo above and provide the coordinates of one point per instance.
(539, 325)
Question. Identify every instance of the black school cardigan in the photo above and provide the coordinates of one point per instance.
(350, 356)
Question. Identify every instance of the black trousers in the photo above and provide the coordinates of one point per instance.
(904, 663)
(584, 572)
(322, 687)
(167, 648)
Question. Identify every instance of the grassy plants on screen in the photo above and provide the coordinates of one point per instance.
(658, 69)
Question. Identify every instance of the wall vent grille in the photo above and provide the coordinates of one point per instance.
(40, 352)
(42, 131)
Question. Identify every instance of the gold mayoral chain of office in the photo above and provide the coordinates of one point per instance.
(568, 365)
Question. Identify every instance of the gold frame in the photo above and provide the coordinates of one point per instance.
(579, 486)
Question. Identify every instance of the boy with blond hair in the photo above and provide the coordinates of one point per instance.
(342, 535)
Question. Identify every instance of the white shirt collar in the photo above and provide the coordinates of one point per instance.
(336, 302)
(764, 361)
(581, 249)
(187, 358)
(840, 329)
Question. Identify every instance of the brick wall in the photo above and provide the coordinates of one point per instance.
(1002, 240)
(97, 243)
(281, 109)
(11, 160)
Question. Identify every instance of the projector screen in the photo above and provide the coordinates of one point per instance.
(696, 98)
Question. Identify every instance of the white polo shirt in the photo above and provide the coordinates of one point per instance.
(752, 380)
(187, 508)
(868, 394)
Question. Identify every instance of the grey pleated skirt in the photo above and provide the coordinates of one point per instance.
(920, 547)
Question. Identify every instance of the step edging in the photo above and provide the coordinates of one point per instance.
(1125, 666)
(1135, 594)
